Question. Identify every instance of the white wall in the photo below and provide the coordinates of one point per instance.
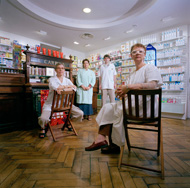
(24, 41)
(67, 52)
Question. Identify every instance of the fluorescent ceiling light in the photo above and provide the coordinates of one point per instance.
(87, 45)
(42, 32)
(86, 10)
(167, 19)
(76, 42)
(108, 38)
(129, 31)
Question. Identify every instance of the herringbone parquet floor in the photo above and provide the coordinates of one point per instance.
(28, 161)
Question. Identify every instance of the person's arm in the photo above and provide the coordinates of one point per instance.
(100, 82)
(79, 81)
(115, 81)
(114, 78)
(121, 91)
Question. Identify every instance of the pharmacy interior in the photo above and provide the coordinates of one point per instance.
(25, 69)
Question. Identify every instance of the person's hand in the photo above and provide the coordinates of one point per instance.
(87, 88)
(115, 86)
(100, 86)
(121, 91)
(59, 91)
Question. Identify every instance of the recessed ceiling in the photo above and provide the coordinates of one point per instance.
(65, 22)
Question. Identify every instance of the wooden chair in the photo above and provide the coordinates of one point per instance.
(62, 103)
(134, 117)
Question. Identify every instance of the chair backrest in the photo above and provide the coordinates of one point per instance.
(138, 103)
(62, 102)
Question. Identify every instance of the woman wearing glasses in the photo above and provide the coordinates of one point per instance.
(110, 117)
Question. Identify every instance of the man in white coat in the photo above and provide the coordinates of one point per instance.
(107, 80)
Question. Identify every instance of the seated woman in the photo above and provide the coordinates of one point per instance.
(58, 83)
(110, 117)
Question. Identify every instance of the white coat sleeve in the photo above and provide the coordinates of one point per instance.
(93, 80)
(53, 84)
(79, 81)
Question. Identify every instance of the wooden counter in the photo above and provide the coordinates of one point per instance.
(11, 101)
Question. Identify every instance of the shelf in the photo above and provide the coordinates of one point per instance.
(32, 76)
(172, 39)
(171, 73)
(171, 47)
(172, 65)
(126, 72)
(45, 65)
(96, 61)
(173, 90)
(128, 66)
(5, 51)
(169, 56)
(174, 81)
(173, 108)
(38, 84)
(6, 45)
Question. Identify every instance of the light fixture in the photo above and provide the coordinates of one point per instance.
(167, 19)
(87, 45)
(42, 32)
(108, 38)
(86, 36)
(129, 31)
(86, 10)
(75, 42)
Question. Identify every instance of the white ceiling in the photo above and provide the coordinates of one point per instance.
(65, 22)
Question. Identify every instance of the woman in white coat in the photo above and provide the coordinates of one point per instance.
(145, 76)
(86, 80)
(57, 83)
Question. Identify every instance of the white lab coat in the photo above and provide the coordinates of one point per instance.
(54, 83)
(85, 78)
(107, 73)
(112, 113)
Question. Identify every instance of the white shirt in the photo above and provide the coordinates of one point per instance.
(112, 113)
(107, 73)
(54, 83)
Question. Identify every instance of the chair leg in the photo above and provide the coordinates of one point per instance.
(72, 127)
(162, 153)
(159, 140)
(121, 156)
(51, 132)
(127, 139)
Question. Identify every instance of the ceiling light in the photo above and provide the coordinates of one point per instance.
(108, 38)
(167, 19)
(87, 45)
(42, 32)
(87, 36)
(86, 10)
(129, 31)
(76, 42)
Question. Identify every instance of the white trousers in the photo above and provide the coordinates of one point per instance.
(76, 114)
(105, 93)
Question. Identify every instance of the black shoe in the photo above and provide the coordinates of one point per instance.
(111, 149)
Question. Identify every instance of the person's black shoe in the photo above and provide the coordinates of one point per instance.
(111, 149)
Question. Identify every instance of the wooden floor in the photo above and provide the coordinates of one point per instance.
(28, 161)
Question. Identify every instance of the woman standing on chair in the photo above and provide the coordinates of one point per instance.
(110, 117)
(85, 81)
